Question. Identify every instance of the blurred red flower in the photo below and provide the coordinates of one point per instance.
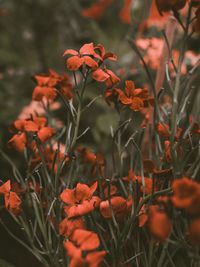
(125, 12)
(159, 224)
(96, 10)
(117, 205)
(186, 195)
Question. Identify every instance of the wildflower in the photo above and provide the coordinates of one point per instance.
(46, 86)
(105, 75)
(80, 200)
(87, 241)
(105, 55)
(84, 56)
(132, 97)
(186, 195)
(12, 200)
(147, 187)
(117, 205)
(68, 226)
(159, 224)
(24, 126)
(95, 159)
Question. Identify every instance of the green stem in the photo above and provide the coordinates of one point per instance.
(176, 93)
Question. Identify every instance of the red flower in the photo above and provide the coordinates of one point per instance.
(117, 205)
(147, 187)
(105, 75)
(186, 195)
(125, 13)
(159, 223)
(80, 200)
(5, 188)
(84, 56)
(134, 98)
(96, 10)
(68, 226)
(105, 55)
(12, 200)
(36, 125)
(83, 240)
(46, 86)
(95, 159)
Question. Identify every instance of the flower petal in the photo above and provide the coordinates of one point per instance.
(100, 75)
(74, 63)
(87, 240)
(45, 133)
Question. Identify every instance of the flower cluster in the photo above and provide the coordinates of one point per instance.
(47, 86)
(25, 131)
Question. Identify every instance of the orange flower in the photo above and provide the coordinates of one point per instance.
(194, 231)
(46, 86)
(147, 188)
(105, 55)
(12, 200)
(80, 200)
(159, 224)
(68, 226)
(83, 240)
(117, 205)
(35, 125)
(96, 10)
(5, 188)
(167, 5)
(95, 159)
(134, 98)
(84, 56)
(125, 13)
(186, 195)
(105, 75)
